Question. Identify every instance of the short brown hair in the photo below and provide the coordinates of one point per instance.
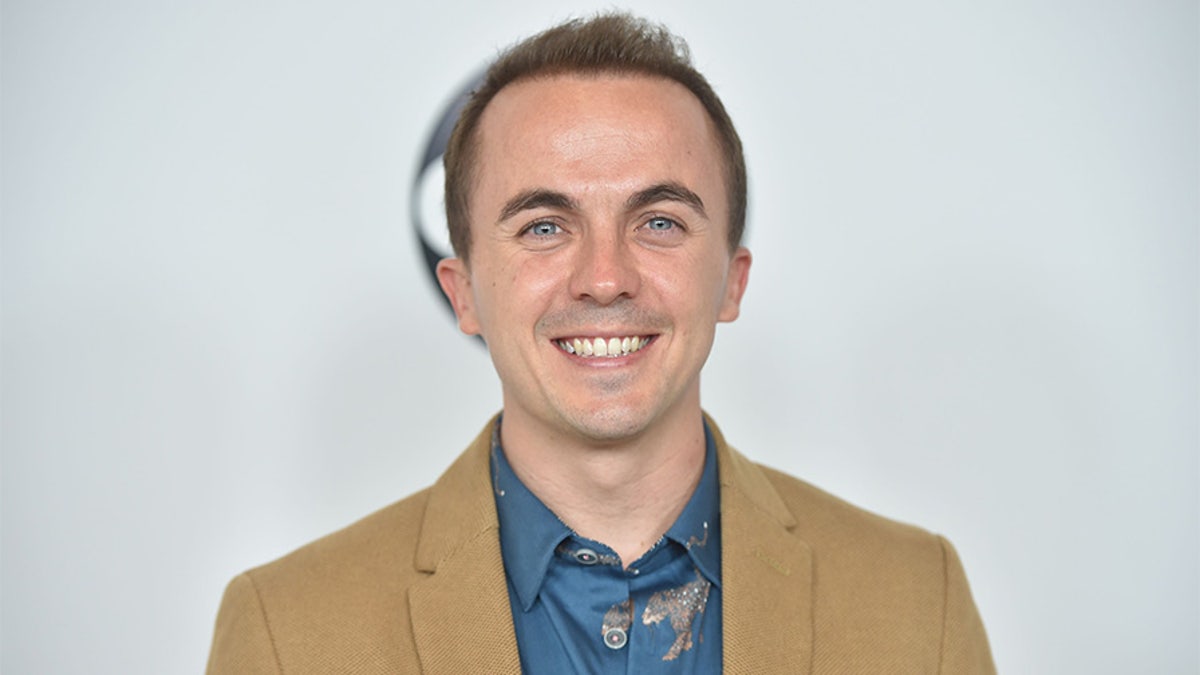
(606, 43)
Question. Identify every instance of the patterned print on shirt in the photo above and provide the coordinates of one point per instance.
(681, 605)
(619, 615)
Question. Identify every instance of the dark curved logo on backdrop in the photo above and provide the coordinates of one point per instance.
(427, 196)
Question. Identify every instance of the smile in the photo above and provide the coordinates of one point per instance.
(605, 347)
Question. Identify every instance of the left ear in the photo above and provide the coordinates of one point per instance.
(735, 284)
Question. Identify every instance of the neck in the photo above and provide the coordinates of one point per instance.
(624, 494)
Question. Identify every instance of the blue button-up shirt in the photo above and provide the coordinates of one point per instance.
(577, 609)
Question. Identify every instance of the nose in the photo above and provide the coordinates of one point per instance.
(605, 269)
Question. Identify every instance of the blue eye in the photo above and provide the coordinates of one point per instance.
(543, 229)
(660, 224)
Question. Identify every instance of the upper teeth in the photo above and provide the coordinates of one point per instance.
(610, 347)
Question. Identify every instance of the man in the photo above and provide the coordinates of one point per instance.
(595, 193)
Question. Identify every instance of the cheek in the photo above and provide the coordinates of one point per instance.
(694, 288)
(516, 292)
(537, 281)
(490, 298)
(536, 277)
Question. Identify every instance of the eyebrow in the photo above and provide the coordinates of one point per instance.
(665, 192)
(535, 199)
(661, 192)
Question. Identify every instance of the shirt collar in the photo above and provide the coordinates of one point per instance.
(530, 532)
(698, 528)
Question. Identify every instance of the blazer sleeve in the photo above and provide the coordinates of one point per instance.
(965, 647)
(242, 642)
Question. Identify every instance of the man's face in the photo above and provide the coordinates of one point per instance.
(599, 221)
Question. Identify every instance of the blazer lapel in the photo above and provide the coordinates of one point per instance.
(766, 573)
(461, 616)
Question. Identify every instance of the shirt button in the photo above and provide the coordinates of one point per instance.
(587, 556)
(615, 638)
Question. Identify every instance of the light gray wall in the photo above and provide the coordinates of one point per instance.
(973, 304)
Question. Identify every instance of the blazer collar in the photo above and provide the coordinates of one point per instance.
(767, 572)
(461, 616)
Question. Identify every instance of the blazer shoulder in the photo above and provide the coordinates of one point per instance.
(386, 538)
(338, 599)
(908, 587)
(826, 518)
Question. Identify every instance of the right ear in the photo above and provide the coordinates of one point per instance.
(455, 280)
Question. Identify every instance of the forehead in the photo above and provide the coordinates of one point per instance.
(549, 103)
(601, 127)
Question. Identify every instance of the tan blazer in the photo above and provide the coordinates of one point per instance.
(810, 584)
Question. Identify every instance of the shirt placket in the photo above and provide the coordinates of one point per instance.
(606, 631)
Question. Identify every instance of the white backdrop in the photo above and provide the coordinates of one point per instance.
(973, 305)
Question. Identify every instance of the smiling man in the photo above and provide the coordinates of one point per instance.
(596, 198)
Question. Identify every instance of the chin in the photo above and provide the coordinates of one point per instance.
(609, 424)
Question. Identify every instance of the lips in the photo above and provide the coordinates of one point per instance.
(601, 347)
